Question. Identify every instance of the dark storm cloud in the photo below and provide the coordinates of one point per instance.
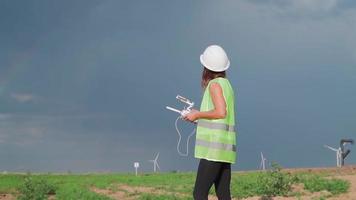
(84, 84)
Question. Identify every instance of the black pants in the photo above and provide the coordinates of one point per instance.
(209, 173)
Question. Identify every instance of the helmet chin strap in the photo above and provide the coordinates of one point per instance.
(180, 138)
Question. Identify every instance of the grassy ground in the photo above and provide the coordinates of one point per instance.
(161, 186)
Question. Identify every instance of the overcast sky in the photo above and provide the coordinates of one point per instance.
(84, 84)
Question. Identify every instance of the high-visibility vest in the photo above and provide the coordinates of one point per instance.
(216, 138)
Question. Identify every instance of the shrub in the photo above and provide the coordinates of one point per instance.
(335, 186)
(274, 182)
(35, 189)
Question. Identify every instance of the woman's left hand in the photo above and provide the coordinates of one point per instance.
(192, 116)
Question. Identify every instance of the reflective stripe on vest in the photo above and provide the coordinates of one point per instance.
(216, 126)
(216, 145)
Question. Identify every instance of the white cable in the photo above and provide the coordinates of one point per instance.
(180, 137)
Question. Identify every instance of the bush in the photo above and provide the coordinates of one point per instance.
(274, 182)
(334, 186)
(35, 189)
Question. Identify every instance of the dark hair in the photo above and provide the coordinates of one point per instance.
(209, 75)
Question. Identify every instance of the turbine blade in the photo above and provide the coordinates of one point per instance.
(157, 156)
(329, 147)
(158, 166)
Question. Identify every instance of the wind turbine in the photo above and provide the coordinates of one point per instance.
(263, 162)
(155, 163)
(338, 154)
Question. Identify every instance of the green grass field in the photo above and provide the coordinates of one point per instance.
(165, 186)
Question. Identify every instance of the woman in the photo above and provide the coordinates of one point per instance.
(216, 138)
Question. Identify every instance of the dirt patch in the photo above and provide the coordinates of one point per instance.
(126, 192)
(345, 170)
(7, 197)
(51, 197)
(12, 197)
(111, 194)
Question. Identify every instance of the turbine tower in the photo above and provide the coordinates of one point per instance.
(155, 163)
(338, 154)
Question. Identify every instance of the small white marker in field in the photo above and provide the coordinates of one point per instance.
(136, 166)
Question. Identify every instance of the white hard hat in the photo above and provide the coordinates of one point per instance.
(215, 59)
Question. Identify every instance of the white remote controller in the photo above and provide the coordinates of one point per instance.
(181, 112)
(185, 110)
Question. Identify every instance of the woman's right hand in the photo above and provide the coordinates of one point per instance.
(192, 116)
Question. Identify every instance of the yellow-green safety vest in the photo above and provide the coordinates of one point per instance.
(216, 138)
